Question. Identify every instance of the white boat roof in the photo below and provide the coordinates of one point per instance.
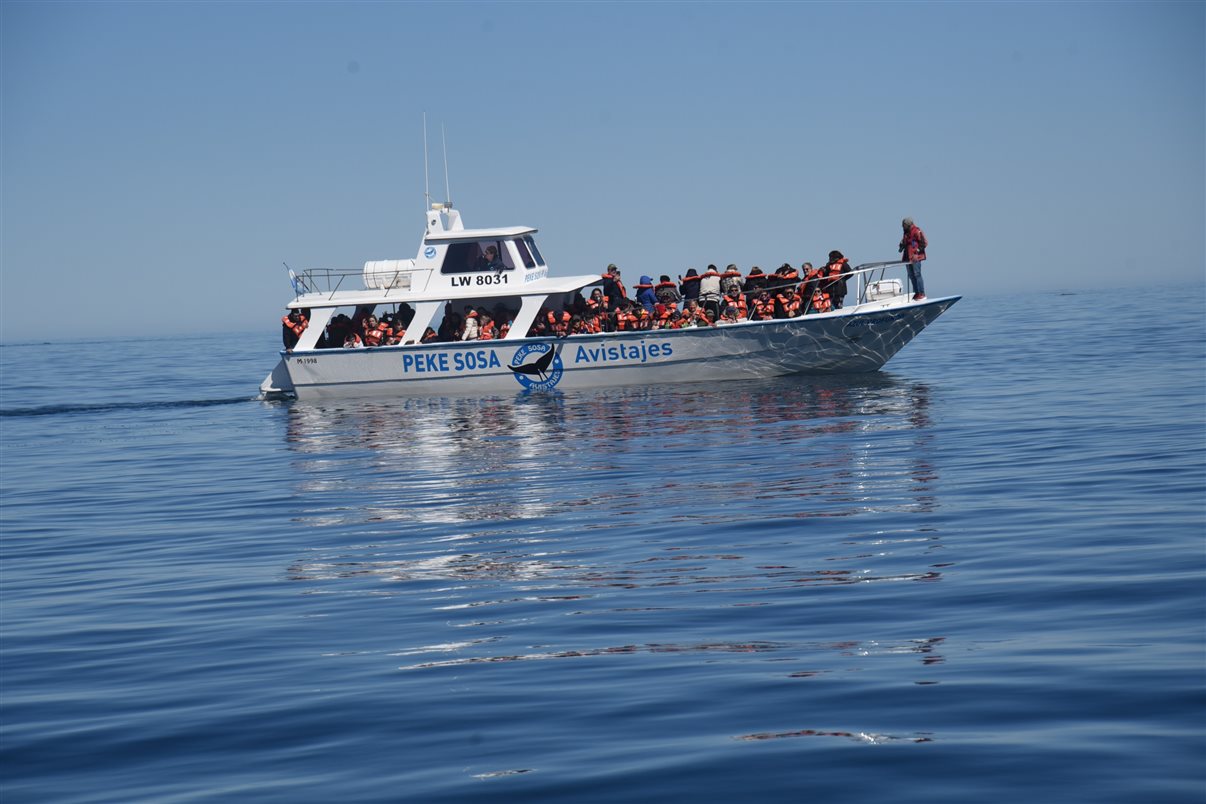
(548, 286)
(458, 235)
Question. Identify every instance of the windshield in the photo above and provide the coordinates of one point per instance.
(477, 255)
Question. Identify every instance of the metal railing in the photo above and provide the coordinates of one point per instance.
(328, 281)
(866, 271)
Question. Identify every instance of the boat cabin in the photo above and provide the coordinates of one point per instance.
(455, 267)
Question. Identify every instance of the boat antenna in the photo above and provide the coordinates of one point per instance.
(426, 178)
(447, 191)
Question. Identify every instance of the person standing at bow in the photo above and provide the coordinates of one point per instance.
(912, 246)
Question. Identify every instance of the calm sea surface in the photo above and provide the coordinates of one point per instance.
(978, 575)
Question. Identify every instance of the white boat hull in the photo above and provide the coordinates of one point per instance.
(853, 340)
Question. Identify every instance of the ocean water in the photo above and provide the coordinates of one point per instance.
(978, 575)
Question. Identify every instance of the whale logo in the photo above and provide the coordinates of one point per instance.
(540, 374)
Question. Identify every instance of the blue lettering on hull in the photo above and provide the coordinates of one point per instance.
(641, 352)
(444, 362)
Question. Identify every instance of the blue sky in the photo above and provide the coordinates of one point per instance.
(160, 160)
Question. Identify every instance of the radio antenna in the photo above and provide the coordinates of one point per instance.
(426, 177)
(447, 191)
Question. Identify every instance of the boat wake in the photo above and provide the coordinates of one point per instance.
(55, 410)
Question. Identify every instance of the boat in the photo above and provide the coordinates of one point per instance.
(451, 272)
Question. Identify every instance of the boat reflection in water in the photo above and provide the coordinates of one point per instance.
(744, 527)
(517, 475)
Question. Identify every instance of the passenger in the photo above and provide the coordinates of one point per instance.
(667, 292)
(661, 316)
(695, 315)
(755, 282)
(808, 286)
(626, 319)
(613, 288)
(734, 297)
(729, 314)
(677, 320)
(762, 308)
(731, 278)
(472, 325)
(505, 328)
(689, 285)
(596, 301)
(783, 277)
(913, 246)
(591, 323)
(373, 331)
(489, 260)
(645, 294)
(644, 318)
(486, 330)
(292, 326)
(352, 341)
(404, 315)
(709, 291)
(429, 336)
(337, 332)
(558, 323)
(834, 276)
(816, 300)
(787, 303)
(820, 302)
(451, 327)
(397, 333)
(540, 325)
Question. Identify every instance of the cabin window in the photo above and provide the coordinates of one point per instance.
(535, 251)
(526, 255)
(471, 257)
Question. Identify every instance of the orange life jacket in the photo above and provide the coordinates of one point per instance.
(820, 302)
(298, 328)
(559, 322)
(486, 333)
(789, 301)
(374, 336)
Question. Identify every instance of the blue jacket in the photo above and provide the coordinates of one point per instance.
(647, 297)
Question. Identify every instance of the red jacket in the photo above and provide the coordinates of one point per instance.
(913, 244)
